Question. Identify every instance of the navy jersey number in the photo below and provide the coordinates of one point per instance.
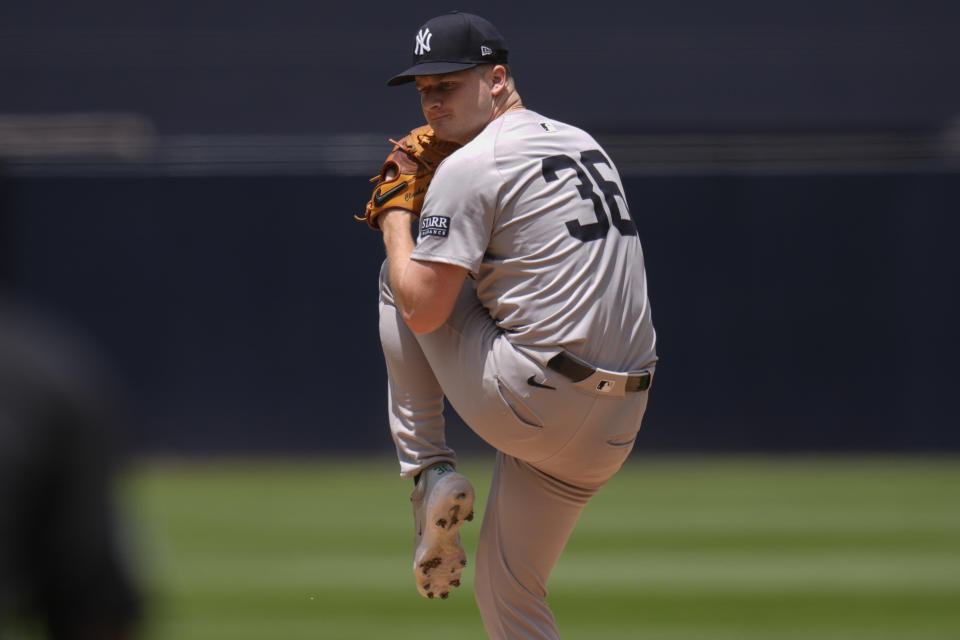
(610, 190)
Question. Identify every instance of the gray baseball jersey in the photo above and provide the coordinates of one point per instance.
(535, 209)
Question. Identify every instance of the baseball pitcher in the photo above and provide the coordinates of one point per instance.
(523, 301)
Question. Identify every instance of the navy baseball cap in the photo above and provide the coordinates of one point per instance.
(453, 42)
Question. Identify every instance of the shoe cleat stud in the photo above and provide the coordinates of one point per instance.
(454, 583)
(444, 595)
(469, 517)
(433, 563)
(430, 594)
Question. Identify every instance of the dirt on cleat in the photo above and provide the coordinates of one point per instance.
(430, 564)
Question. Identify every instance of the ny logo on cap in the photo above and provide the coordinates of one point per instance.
(423, 42)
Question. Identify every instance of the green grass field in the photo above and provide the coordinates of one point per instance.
(674, 548)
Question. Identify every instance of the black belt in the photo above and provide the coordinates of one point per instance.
(575, 370)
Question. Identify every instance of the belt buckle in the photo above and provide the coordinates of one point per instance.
(599, 381)
(605, 383)
(606, 386)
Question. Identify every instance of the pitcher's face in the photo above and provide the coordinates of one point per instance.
(457, 105)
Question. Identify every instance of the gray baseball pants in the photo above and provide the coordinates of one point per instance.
(555, 447)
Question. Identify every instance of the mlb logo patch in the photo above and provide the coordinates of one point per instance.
(434, 226)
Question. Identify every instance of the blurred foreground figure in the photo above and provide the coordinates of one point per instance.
(61, 571)
(60, 566)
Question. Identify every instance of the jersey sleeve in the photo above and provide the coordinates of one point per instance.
(459, 209)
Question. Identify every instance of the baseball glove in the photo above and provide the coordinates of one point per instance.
(407, 173)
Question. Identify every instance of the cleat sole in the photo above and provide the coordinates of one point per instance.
(438, 553)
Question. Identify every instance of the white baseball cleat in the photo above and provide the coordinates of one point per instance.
(442, 501)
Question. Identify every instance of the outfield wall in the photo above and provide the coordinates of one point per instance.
(204, 66)
(795, 312)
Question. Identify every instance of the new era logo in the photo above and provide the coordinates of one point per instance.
(423, 42)
(485, 50)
